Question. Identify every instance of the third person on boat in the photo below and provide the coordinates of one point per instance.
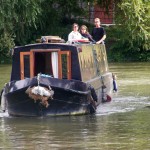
(98, 32)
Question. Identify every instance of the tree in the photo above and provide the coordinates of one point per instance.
(131, 32)
(15, 18)
(135, 20)
(22, 21)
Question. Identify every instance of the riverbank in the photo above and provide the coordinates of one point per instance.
(5, 71)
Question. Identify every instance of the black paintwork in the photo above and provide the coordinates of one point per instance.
(69, 96)
(15, 75)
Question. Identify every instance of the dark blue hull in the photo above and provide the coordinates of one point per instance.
(70, 98)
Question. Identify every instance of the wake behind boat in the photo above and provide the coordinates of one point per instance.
(51, 79)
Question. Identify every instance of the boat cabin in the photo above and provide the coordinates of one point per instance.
(59, 60)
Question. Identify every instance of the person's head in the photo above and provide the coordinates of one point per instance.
(75, 27)
(97, 22)
(84, 29)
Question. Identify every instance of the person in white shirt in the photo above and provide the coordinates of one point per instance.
(74, 35)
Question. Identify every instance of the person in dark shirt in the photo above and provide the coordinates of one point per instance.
(85, 34)
(98, 33)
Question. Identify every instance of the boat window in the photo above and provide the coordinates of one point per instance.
(51, 62)
(42, 63)
(24, 64)
(65, 64)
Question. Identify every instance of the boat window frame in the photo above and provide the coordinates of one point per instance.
(68, 53)
(31, 60)
(22, 54)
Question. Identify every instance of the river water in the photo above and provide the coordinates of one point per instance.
(122, 124)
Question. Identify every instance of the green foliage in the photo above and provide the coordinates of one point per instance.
(131, 34)
(57, 16)
(23, 21)
(69, 8)
(120, 49)
(133, 19)
(6, 43)
(16, 17)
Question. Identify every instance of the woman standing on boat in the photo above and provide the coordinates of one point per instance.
(85, 34)
(98, 33)
(74, 35)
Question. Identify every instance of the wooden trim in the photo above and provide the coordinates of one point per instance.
(59, 65)
(32, 57)
(68, 53)
(31, 64)
(22, 54)
(45, 50)
(69, 64)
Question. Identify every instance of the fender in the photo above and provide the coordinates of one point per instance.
(3, 100)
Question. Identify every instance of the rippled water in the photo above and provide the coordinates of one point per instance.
(123, 124)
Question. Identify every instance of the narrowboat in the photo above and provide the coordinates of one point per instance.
(53, 79)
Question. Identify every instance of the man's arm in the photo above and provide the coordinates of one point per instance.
(102, 39)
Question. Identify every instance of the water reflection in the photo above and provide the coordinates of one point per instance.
(122, 124)
(40, 133)
(129, 130)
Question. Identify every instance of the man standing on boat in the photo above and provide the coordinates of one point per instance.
(98, 33)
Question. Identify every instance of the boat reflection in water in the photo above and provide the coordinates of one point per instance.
(49, 79)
